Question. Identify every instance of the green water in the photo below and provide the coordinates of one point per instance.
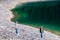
(38, 14)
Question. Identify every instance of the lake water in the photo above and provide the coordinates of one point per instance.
(38, 14)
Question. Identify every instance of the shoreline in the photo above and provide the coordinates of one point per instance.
(53, 32)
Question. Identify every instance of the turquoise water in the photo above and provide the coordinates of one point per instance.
(38, 14)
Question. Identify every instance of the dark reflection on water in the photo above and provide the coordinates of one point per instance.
(39, 13)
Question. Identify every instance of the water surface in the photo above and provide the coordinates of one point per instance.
(36, 14)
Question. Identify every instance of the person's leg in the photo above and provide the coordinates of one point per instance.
(41, 35)
(16, 31)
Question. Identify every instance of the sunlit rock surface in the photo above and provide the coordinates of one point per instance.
(4, 12)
